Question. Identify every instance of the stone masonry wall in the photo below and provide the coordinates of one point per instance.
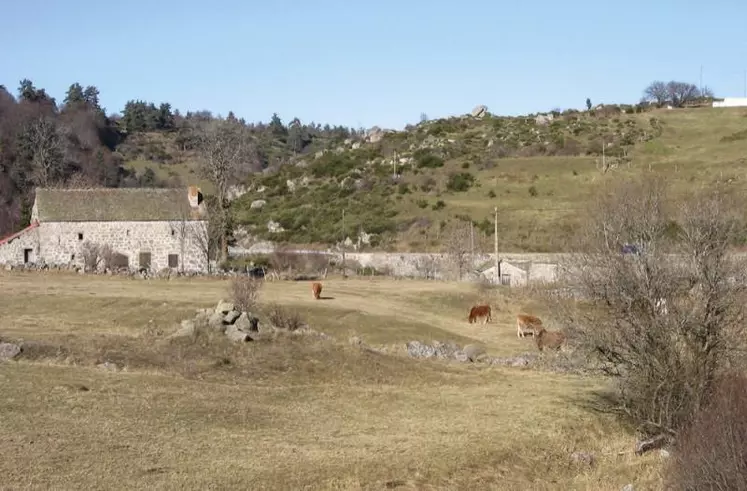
(61, 243)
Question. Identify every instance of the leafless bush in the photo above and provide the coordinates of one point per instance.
(667, 319)
(245, 292)
(284, 318)
(284, 261)
(427, 266)
(712, 452)
(93, 255)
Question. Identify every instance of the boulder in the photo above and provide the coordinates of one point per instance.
(233, 333)
(224, 307)
(216, 322)
(473, 352)
(187, 329)
(231, 317)
(247, 323)
(479, 111)
(258, 204)
(8, 351)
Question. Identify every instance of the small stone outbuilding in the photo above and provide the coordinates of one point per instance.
(134, 228)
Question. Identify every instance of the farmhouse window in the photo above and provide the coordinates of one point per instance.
(80, 235)
(173, 260)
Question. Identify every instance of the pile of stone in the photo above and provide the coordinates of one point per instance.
(469, 353)
(225, 318)
(446, 351)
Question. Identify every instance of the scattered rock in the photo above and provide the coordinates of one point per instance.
(479, 111)
(224, 307)
(108, 366)
(8, 351)
(274, 227)
(543, 119)
(627, 487)
(247, 323)
(187, 329)
(216, 321)
(585, 458)
(664, 453)
(231, 317)
(258, 204)
(291, 185)
(473, 352)
(355, 341)
(233, 333)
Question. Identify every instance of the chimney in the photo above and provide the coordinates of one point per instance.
(195, 197)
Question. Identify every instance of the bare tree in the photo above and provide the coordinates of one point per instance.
(227, 156)
(681, 93)
(457, 248)
(656, 92)
(47, 148)
(665, 359)
(675, 93)
(427, 266)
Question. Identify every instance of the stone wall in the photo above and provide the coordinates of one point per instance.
(62, 243)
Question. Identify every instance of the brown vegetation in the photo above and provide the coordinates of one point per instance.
(666, 361)
(711, 453)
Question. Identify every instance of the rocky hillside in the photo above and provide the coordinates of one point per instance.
(419, 189)
(434, 185)
(409, 190)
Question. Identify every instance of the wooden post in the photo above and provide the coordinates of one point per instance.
(344, 271)
(495, 246)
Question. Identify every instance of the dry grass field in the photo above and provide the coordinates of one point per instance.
(297, 412)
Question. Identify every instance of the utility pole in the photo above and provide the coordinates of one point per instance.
(701, 80)
(472, 243)
(344, 271)
(495, 245)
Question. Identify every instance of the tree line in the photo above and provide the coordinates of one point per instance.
(74, 143)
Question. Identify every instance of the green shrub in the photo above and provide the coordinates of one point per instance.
(460, 182)
(533, 191)
(439, 205)
(425, 159)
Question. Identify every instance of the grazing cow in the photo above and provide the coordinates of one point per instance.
(526, 324)
(316, 288)
(480, 311)
(549, 339)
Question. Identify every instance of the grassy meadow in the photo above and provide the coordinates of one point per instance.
(296, 412)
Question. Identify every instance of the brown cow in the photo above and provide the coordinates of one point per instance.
(480, 311)
(549, 339)
(316, 288)
(526, 324)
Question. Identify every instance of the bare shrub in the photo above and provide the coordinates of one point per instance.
(284, 318)
(245, 292)
(712, 452)
(665, 359)
(92, 255)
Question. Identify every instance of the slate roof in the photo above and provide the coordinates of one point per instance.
(113, 205)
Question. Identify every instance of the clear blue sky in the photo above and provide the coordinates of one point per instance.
(363, 63)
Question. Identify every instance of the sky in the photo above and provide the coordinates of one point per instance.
(361, 63)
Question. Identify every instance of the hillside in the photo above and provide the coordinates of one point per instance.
(413, 190)
(538, 173)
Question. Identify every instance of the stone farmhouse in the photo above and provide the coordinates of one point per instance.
(134, 228)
